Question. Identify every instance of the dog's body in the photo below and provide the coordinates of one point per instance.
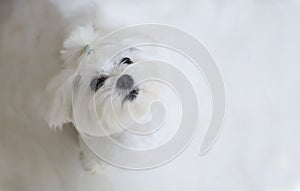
(98, 97)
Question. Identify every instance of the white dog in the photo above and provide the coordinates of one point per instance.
(90, 94)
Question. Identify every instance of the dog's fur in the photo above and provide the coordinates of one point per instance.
(72, 98)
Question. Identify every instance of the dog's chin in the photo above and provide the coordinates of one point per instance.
(104, 115)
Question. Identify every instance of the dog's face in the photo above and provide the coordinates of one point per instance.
(112, 96)
(102, 98)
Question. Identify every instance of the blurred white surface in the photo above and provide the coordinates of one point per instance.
(255, 44)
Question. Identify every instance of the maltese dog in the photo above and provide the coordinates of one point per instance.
(89, 92)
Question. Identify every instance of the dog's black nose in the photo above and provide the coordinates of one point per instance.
(125, 82)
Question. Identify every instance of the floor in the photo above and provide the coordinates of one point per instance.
(256, 46)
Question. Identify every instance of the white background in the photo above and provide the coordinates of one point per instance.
(256, 45)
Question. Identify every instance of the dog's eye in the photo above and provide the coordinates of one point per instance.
(126, 60)
(97, 83)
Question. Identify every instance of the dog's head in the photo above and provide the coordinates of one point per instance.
(97, 96)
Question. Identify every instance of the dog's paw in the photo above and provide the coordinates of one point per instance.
(90, 165)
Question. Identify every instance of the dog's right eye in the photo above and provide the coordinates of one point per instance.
(126, 60)
(97, 83)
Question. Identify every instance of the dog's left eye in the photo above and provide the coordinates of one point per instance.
(97, 83)
(126, 60)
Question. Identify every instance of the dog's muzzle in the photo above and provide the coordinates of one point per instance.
(125, 82)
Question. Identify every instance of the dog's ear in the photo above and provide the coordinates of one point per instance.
(58, 107)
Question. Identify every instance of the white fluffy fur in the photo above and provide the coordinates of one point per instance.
(70, 99)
